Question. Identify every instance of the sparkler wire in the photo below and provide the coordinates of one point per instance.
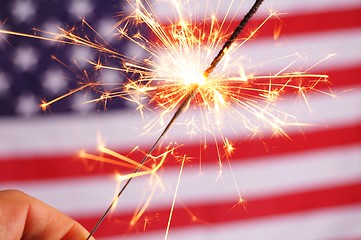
(183, 105)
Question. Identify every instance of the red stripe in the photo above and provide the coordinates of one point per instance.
(223, 212)
(289, 24)
(344, 77)
(57, 167)
(310, 22)
(270, 147)
(337, 78)
(340, 78)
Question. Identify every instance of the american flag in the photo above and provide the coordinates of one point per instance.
(308, 187)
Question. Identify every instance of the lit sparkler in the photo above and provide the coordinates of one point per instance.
(176, 74)
(197, 82)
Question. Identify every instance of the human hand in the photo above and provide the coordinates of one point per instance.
(25, 217)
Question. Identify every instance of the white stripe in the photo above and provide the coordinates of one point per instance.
(67, 135)
(335, 223)
(164, 10)
(266, 56)
(255, 179)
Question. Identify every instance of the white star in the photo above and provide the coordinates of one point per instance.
(80, 102)
(27, 105)
(134, 51)
(51, 29)
(23, 10)
(80, 8)
(106, 29)
(25, 58)
(110, 77)
(4, 84)
(80, 55)
(3, 37)
(54, 80)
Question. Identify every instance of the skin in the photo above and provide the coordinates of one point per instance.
(25, 217)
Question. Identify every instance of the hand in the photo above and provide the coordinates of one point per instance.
(24, 217)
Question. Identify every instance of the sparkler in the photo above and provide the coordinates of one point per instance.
(188, 97)
(172, 84)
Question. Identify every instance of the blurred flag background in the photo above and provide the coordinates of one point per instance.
(308, 187)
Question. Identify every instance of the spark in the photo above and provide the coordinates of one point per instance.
(241, 202)
(228, 146)
(174, 198)
(139, 212)
(44, 105)
(140, 170)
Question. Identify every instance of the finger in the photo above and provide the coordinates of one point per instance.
(25, 217)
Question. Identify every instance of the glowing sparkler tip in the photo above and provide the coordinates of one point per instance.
(228, 147)
(81, 154)
(118, 177)
(194, 79)
(101, 146)
(44, 105)
(241, 200)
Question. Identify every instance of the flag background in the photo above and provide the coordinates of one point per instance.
(305, 188)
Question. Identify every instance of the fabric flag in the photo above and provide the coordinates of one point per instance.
(307, 186)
